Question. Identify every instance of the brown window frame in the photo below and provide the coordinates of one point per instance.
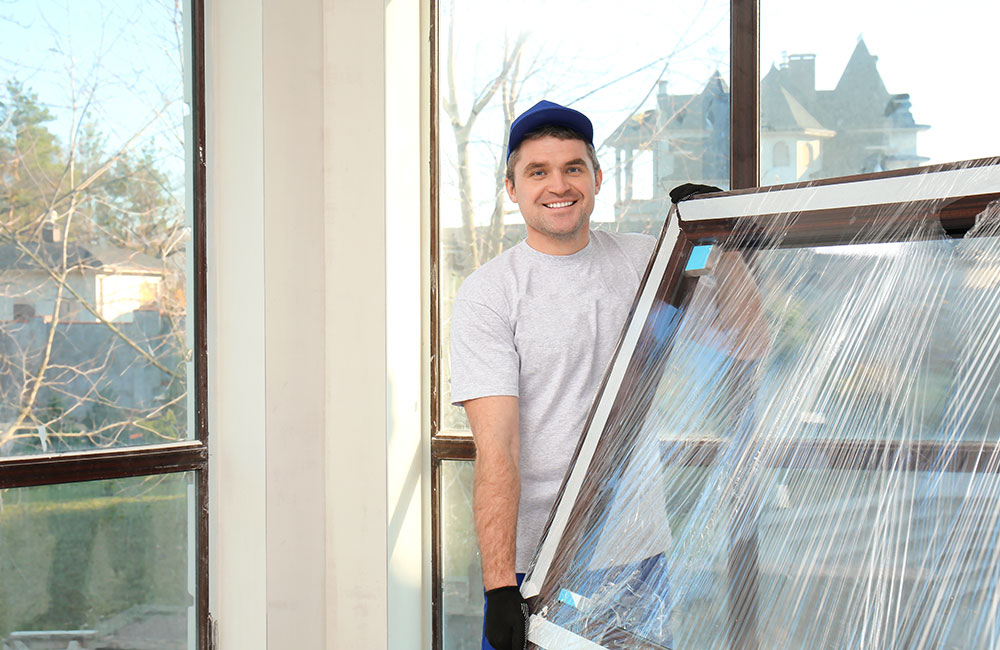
(186, 456)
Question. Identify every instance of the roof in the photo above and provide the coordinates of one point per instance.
(789, 103)
(781, 111)
(30, 255)
(860, 98)
(123, 259)
(680, 113)
(635, 130)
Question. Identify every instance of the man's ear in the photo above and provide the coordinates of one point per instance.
(511, 192)
(598, 179)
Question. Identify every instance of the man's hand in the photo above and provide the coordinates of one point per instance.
(687, 190)
(506, 619)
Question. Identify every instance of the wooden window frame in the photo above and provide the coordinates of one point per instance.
(185, 456)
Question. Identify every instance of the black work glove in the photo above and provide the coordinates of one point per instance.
(687, 190)
(506, 622)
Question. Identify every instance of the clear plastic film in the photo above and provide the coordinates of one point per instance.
(803, 454)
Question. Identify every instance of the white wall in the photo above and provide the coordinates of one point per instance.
(294, 310)
(234, 151)
(317, 285)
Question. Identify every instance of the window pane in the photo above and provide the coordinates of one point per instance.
(105, 564)
(652, 76)
(461, 573)
(909, 91)
(804, 453)
(95, 231)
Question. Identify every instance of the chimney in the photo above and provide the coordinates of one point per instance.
(801, 76)
(898, 111)
(662, 98)
(50, 229)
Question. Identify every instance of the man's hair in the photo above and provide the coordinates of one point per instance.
(555, 131)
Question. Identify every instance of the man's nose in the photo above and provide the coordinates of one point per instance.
(557, 183)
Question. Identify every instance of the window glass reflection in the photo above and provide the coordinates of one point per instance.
(103, 564)
(461, 572)
(871, 88)
(94, 230)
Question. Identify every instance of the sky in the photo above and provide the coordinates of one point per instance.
(115, 63)
(606, 60)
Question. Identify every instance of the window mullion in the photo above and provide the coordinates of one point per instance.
(744, 109)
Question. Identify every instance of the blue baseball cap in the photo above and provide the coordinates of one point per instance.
(546, 113)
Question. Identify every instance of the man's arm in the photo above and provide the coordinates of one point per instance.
(741, 312)
(497, 484)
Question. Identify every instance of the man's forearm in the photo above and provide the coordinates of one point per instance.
(497, 492)
(741, 312)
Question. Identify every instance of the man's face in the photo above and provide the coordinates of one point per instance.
(554, 187)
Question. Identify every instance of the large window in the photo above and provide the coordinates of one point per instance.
(736, 94)
(650, 76)
(102, 376)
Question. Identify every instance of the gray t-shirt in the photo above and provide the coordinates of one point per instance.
(543, 328)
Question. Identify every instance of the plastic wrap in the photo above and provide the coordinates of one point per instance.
(801, 454)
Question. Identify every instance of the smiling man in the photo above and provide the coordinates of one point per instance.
(554, 186)
(532, 333)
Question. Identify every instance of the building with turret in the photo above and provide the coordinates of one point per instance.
(806, 133)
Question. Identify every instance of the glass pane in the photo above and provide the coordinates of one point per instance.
(95, 241)
(905, 547)
(461, 573)
(804, 454)
(863, 90)
(653, 77)
(103, 564)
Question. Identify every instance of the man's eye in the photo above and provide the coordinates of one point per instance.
(575, 170)
(538, 172)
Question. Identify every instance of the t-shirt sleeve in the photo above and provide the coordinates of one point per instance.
(484, 359)
(640, 251)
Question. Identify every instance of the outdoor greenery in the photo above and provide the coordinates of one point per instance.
(72, 555)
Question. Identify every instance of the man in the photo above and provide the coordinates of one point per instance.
(532, 333)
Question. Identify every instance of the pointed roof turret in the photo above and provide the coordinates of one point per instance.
(716, 85)
(860, 96)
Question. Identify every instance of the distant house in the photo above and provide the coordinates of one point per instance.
(857, 127)
(111, 281)
(99, 381)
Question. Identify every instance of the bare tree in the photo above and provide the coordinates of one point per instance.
(462, 125)
(92, 237)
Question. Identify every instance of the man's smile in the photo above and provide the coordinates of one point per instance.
(561, 204)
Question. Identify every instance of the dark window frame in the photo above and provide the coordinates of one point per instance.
(186, 456)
